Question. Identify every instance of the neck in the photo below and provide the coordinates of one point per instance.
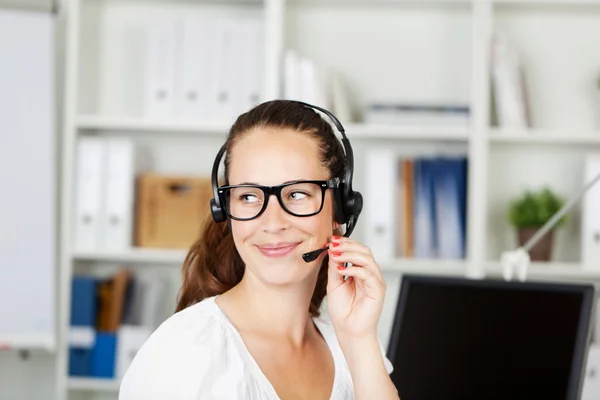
(278, 312)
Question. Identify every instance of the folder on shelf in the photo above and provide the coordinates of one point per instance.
(225, 84)
(425, 243)
(407, 208)
(104, 355)
(448, 187)
(251, 74)
(82, 330)
(197, 55)
(111, 297)
(145, 303)
(91, 153)
(381, 181)
(590, 221)
(119, 194)
(130, 339)
(161, 67)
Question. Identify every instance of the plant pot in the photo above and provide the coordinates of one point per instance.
(543, 249)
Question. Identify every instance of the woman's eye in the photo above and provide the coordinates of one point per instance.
(298, 195)
(249, 198)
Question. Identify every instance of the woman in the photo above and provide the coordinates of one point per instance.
(248, 322)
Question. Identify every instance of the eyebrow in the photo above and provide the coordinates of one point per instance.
(258, 184)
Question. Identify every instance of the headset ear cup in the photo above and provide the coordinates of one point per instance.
(357, 203)
(216, 211)
(340, 216)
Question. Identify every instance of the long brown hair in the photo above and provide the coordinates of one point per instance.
(213, 264)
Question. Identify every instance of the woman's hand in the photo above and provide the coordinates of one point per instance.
(354, 304)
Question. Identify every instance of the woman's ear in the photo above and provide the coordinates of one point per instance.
(335, 227)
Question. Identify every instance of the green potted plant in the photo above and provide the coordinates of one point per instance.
(529, 212)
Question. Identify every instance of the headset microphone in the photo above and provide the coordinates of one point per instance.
(312, 255)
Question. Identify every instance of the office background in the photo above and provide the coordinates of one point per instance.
(442, 119)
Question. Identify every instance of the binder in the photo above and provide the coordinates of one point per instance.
(590, 217)
(197, 55)
(448, 209)
(91, 153)
(129, 340)
(82, 325)
(381, 178)
(225, 85)
(119, 194)
(252, 66)
(424, 210)
(161, 67)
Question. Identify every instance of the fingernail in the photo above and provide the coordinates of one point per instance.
(335, 238)
(340, 267)
(334, 244)
(336, 253)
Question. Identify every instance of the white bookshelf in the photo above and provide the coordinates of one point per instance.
(545, 136)
(94, 385)
(134, 255)
(438, 53)
(103, 124)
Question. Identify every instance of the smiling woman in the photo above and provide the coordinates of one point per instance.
(249, 322)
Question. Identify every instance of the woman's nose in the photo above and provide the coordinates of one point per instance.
(275, 217)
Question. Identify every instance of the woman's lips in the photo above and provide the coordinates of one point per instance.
(277, 250)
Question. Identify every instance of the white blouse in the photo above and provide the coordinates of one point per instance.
(198, 354)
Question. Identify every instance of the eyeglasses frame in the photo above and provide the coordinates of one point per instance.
(333, 183)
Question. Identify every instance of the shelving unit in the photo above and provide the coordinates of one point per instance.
(434, 50)
(94, 385)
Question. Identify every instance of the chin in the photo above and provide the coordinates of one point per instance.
(283, 271)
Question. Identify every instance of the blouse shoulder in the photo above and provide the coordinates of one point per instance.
(188, 355)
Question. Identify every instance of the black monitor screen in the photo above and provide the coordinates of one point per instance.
(484, 339)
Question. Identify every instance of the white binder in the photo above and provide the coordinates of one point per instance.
(119, 194)
(161, 66)
(380, 218)
(88, 193)
(590, 216)
(225, 85)
(252, 47)
(197, 54)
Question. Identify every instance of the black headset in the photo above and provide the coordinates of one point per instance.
(349, 203)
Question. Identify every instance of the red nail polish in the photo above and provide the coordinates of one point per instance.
(334, 244)
(340, 267)
(336, 253)
(335, 238)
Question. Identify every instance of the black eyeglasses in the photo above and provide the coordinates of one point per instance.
(299, 198)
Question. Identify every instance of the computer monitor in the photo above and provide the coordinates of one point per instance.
(459, 338)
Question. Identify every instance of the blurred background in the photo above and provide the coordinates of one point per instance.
(472, 122)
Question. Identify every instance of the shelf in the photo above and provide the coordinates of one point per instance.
(36, 343)
(425, 267)
(371, 3)
(94, 384)
(135, 125)
(542, 136)
(552, 271)
(406, 132)
(550, 2)
(143, 125)
(146, 125)
(135, 255)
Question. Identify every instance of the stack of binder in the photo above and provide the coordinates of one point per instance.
(416, 207)
(203, 68)
(104, 194)
(110, 320)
